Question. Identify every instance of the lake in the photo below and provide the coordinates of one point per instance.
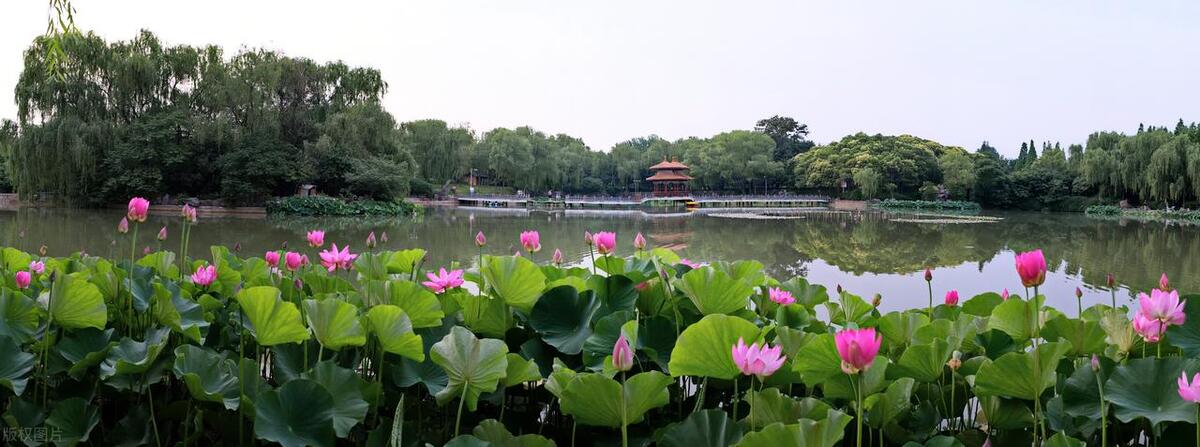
(866, 253)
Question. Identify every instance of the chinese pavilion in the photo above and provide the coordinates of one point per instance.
(670, 179)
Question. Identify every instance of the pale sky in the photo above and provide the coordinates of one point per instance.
(958, 72)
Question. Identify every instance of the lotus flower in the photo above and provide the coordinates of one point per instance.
(557, 257)
(1110, 280)
(780, 296)
(138, 208)
(1162, 306)
(1095, 362)
(1189, 392)
(334, 259)
(1004, 295)
(205, 275)
(123, 225)
(757, 361)
(162, 233)
(1164, 283)
(622, 355)
(272, 258)
(316, 238)
(639, 242)
(293, 260)
(1150, 329)
(371, 242)
(588, 239)
(952, 298)
(690, 263)
(23, 279)
(606, 242)
(1078, 293)
(857, 348)
(383, 237)
(188, 213)
(928, 274)
(531, 241)
(443, 280)
(37, 267)
(1031, 266)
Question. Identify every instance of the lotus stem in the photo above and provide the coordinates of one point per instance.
(132, 253)
(735, 399)
(1104, 414)
(458, 419)
(153, 419)
(624, 416)
(930, 284)
(858, 419)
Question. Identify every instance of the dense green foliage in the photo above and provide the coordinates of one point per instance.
(1143, 213)
(140, 118)
(368, 356)
(938, 205)
(332, 206)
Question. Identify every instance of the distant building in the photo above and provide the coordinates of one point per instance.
(670, 179)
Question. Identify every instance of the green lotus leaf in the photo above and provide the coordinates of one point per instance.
(818, 361)
(770, 406)
(874, 379)
(747, 271)
(563, 317)
(486, 315)
(404, 261)
(1186, 336)
(421, 305)
(334, 323)
(514, 279)
(19, 316)
(473, 366)
(395, 332)
(806, 433)
(73, 420)
(493, 432)
(706, 428)
(255, 272)
(76, 303)
(958, 333)
(559, 379)
(15, 260)
(1005, 414)
(346, 387)
(84, 349)
(272, 320)
(1062, 440)
(925, 362)
(1147, 388)
(1016, 374)
(371, 266)
(714, 291)
(320, 283)
(1081, 391)
(608, 329)
(883, 408)
(850, 308)
(705, 349)
(15, 365)
(1086, 337)
(134, 357)
(162, 262)
(899, 328)
(593, 399)
(615, 293)
(520, 371)
(1015, 317)
(182, 315)
(807, 295)
(299, 413)
(983, 304)
(210, 377)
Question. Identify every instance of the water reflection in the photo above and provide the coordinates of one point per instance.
(866, 253)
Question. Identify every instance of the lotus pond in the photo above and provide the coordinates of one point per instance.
(614, 345)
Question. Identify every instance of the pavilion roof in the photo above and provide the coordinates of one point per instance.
(668, 165)
(666, 176)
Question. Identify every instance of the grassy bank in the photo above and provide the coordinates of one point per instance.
(926, 205)
(1142, 213)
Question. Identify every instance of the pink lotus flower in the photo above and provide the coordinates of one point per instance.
(1163, 283)
(443, 280)
(146, 250)
(588, 239)
(272, 258)
(639, 242)
(123, 225)
(557, 257)
(1150, 329)
(188, 213)
(757, 361)
(1004, 295)
(205, 275)
(1031, 266)
(622, 355)
(333, 259)
(642, 286)
(138, 208)
(952, 298)
(1189, 392)
(690, 263)
(1162, 306)
(162, 233)
(371, 240)
(780, 296)
(480, 240)
(531, 241)
(316, 238)
(857, 348)
(606, 242)
(37, 267)
(293, 260)
(23, 279)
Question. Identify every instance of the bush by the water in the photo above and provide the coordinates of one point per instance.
(1143, 213)
(1103, 210)
(927, 205)
(332, 206)
(380, 348)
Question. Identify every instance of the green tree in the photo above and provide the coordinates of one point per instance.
(788, 134)
(958, 173)
(869, 182)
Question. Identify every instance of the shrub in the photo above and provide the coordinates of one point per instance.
(331, 206)
(927, 205)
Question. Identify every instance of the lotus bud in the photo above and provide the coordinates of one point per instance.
(480, 239)
(928, 275)
(1110, 280)
(298, 284)
(162, 233)
(371, 242)
(955, 361)
(622, 355)
(557, 258)
(42, 250)
(237, 247)
(1004, 294)
(383, 237)
(146, 250)
(1095, 363)
(639, 242)
(587, 238)
(1163, 283)
(123, 226)
(876, 300)
(1078, 293)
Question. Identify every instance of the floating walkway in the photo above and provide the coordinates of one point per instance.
(640, 203)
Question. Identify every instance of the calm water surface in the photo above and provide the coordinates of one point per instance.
(865, 253)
